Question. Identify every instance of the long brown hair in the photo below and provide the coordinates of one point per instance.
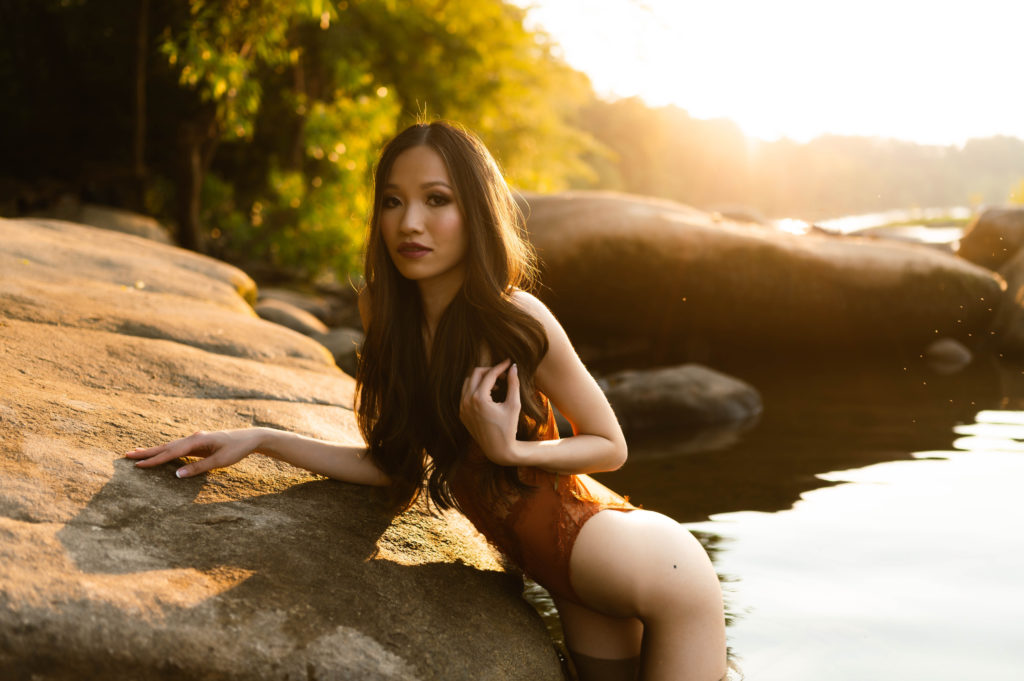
(407, 406)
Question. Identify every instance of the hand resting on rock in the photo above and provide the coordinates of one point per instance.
(227, 447)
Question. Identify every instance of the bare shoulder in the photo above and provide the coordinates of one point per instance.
(558, 340)
(532, 305)
(364, 307)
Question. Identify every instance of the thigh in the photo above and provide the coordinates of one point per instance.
(599, 635)
(638, 564)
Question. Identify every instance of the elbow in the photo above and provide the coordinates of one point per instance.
(620, 453)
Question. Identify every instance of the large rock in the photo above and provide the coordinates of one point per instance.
(106, 217)
(286, 314)
(260, 571)
(333, 304)
(680, 398)
(344, 345)
(669, 283)
(994, 237)
(1008, 332)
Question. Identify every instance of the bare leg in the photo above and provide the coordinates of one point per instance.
(599, 669)
(603, 648)
(645, 565)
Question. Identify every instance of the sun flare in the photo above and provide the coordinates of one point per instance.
(921, 71)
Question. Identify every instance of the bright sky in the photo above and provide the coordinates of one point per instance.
(935, 71)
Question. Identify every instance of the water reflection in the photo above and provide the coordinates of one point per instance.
(910, 567)
(870, 523)
(818, 417)
(867, 527)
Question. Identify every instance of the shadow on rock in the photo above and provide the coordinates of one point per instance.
(289, 584)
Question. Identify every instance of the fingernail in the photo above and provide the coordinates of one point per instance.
(181, 472)
(515, 367)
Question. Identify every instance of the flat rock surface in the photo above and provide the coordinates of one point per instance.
(260, 571)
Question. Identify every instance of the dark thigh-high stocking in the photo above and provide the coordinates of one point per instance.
(597, 669)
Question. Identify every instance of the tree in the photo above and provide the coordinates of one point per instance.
(262, 118)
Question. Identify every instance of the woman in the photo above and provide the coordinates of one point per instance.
(454, 377)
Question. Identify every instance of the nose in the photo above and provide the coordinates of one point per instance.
(412, 219)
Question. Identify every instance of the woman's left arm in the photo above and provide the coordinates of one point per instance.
(598, 444)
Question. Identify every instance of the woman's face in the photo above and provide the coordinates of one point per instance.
(420, 220)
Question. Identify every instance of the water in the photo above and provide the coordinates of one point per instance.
(869, 527)
(858, 223)
(906, 225)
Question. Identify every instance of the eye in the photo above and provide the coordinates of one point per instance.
(390, 202)
(438, 200)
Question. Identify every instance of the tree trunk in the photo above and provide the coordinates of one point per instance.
(139, 145)
(197, 139)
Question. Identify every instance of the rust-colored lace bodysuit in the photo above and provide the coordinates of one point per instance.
(536, 527)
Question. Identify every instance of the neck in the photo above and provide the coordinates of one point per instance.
(436, 295)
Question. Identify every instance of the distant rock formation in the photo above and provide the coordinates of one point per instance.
(71, 209)
(260, 571)
(658, 281)
(994, 237)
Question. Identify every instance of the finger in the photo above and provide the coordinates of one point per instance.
(145, 452)
(513, 387)
(189, 446)
(467, 386)
(160, 458)
(222, 458)
(472, 382)
(197, 467)
(491, 377)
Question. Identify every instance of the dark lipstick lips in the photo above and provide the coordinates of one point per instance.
(412, 247)
(413, 250)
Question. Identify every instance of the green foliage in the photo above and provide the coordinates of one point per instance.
(263, 118)
(306, 91)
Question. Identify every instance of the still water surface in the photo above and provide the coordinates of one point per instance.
(869, 526)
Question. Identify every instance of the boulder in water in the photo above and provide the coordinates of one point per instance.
(993, 237)
(671, 284)
(680, 398)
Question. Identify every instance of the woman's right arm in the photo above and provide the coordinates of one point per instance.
(225, 448)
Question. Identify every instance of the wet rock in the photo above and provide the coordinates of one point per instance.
(289, 316)
(947, 356)
(1008, 330)
(679, 398)
(622, 270)
(994, 237)
(260, 571)
(344, 345)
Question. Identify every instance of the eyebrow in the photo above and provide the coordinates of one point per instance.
(425, 185)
